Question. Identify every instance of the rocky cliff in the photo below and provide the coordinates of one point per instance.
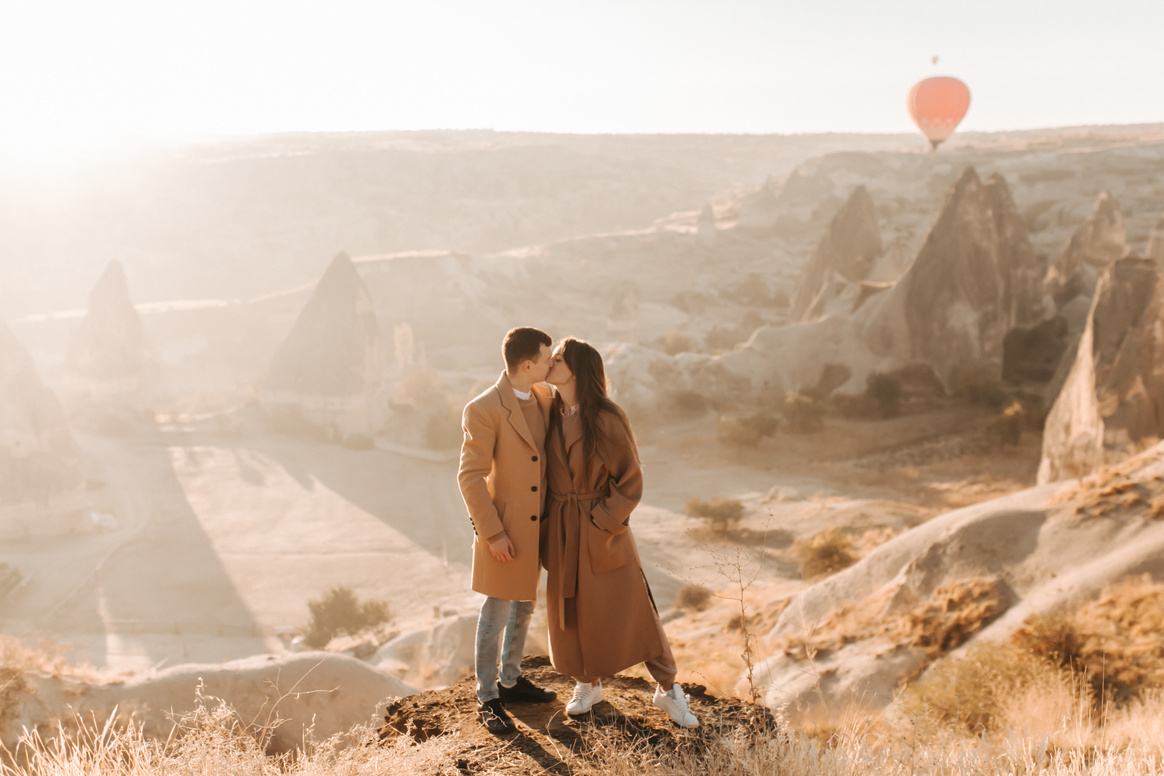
(1096, 243)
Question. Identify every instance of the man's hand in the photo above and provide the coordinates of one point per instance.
(502, 549)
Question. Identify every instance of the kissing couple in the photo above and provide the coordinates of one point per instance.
(550, 474)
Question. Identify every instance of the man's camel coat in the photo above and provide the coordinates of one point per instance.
(502, 479)
(602, 618)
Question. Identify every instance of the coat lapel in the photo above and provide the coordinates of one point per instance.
(516, 416)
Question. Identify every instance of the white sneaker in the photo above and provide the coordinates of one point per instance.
(585, 696)
(674, 702)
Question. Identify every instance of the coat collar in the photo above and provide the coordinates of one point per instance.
(510, 402)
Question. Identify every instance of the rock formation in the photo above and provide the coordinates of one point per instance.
(40, 479)
(1156, 242)
(1112, 402)
(975, 278)
(705, 228)
(105, 366)
(328, 370)
(760, 210)
(846, 253)
(1098, 241)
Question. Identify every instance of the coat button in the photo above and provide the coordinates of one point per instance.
(534, 459)
(534, 488)
(533, 518)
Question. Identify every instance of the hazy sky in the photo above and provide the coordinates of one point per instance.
(83, 72)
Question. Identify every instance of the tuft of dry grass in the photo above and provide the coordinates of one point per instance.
(693, 597)
(825, 553)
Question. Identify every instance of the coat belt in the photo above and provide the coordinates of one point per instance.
(570, 536)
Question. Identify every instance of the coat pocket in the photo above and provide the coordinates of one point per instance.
(608, 551)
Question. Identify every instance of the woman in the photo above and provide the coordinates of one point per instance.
(602, 616)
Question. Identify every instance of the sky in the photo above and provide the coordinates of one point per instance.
(80, 75)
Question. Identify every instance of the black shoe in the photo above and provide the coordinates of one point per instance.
(525, 691)
(494, 717)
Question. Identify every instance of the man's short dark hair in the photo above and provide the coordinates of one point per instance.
(523, 344)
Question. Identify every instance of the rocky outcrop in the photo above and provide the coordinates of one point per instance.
(327, 373)
(845, 255)
(1112, 402)
(760, 210)
(105, 365)
(975, 278)
(1098, 242)
(1156, 242)
(40, 477)
(705, 228)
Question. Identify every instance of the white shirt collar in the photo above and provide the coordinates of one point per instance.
(526, 396)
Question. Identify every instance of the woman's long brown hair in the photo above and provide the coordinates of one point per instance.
(590, 377)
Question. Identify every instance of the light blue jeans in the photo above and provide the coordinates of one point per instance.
(498, 616)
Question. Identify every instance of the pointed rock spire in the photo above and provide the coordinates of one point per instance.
(335, 348)
(846, 253)
(1095, 244)
(108, 345)
(1112, 402)
(975, 278)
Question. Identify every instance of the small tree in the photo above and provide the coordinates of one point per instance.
(721, 513)
(339, 611)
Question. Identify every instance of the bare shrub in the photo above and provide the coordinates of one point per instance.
(803, 413)
(692, 597)
(720, 513)
(825, 553)
(339, 611)
(738, 433)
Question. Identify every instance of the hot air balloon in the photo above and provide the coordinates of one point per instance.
(937, 105)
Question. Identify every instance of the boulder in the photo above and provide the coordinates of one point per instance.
(845, 255)
(1094, 245)
(327, 373)
(1112, 401)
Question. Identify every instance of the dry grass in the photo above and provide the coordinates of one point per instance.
(825, 553)
(955, 611)
(1113, 642)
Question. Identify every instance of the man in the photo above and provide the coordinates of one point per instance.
(503, 481)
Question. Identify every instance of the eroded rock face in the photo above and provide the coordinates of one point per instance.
(40, 478)
(845, 255)
(1112, 402)
(975, 278)
(1098, 242)
(106, 358)
(328, 370)
(1156, 242)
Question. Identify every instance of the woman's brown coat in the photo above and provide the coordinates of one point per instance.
(602, 618)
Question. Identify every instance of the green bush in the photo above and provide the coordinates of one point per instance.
(721, 513)
(803, 413)
(339, 611)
